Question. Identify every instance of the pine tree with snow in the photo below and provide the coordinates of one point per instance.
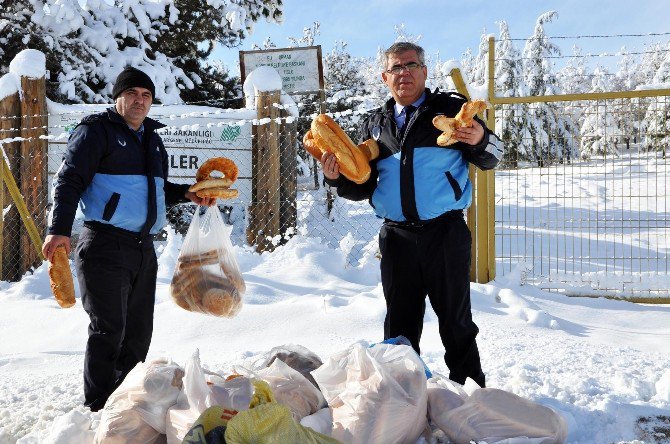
(467, 65)
(599, 129)
(628, 113)
(574, 77)
(549, 129)
(479, 74)
(510, 119)
(657, 118)
(88, 42)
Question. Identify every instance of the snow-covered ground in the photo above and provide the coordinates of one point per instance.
(602, 364)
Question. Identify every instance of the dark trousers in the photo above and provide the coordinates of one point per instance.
(433, 260)
(117, 278)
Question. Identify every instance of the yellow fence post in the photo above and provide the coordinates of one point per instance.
(483, 204)
(491, 175)
(27, 219)
(10, 129)
(457, 78)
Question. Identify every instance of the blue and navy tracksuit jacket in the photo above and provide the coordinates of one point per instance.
(107, 170)
(414, 179)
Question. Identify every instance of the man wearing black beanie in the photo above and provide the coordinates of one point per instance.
(115, 168)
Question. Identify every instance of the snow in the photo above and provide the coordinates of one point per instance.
(29, 63)
(10, 84)
(266, 78)
(263, 78)
(600, 363)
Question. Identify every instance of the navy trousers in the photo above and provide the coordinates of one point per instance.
(431, 259)
(117, 278)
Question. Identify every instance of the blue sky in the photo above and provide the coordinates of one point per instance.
(451, 27)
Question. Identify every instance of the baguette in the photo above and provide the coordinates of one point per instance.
(326, 135)
(60, 278)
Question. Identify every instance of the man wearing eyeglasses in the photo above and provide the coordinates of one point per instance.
(421, 191)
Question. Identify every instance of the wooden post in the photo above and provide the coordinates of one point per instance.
(288, 194)
(264, 210)
(33, 183)
(10, 124)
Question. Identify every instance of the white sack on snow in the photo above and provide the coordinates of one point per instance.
(494, 415)
(377, 394)
(138, 406)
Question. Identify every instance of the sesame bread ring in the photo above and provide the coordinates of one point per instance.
(222, 164)
(211, 183)
(221, 301)
(198, 260)
(218, 192)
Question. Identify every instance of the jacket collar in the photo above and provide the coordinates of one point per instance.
(390, 103)
(149, 124)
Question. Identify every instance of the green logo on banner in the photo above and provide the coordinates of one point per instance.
(230, 133)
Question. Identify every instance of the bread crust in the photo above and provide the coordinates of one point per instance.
(211, 183)
(326, 135)
(218, 192)
(198, 289)
(464, 118)
(221, 164)
(60, 278)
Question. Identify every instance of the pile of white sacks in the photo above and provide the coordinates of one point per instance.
(376, 394)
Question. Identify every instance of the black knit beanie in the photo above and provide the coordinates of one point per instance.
(132, 78)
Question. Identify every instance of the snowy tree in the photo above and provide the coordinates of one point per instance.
(88, 42)
(467, 65)
(308, 38)
(657, 118)
(574, 77)
(342, 74)
(510, 119)
(549, 129)
(439, 73)
(628, 113)
(479, 74)
(599, 129)
(267, 44)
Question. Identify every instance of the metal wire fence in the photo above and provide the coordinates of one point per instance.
(583, 208)
(581, 205)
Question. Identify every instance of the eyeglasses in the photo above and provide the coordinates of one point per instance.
(398, 69)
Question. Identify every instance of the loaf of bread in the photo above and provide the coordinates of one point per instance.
(216, 187)
(463, 119)
(196, 287)
(326, 135)
(60, 278)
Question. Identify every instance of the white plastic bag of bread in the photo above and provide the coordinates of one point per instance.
(137, 409)
(207, 278)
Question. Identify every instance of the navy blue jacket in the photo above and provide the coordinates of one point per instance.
(413, 178)
(107, 170)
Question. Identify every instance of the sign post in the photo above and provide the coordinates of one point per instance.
(300, 69)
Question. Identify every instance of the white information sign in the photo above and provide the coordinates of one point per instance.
(189, 141)
(300, 69)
